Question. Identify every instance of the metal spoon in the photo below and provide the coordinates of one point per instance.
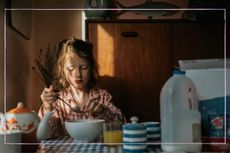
(77, 110)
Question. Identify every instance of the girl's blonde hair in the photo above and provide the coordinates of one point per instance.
(84, 50)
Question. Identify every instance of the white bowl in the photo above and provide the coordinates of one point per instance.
(84, 130)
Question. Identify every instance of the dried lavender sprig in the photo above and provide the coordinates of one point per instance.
(46, 64)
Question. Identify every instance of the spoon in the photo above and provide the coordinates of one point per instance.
(77, 110)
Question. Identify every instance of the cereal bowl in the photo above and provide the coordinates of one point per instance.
(84, 130)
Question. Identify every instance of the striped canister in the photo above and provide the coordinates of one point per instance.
(153, 132)
(134, 137)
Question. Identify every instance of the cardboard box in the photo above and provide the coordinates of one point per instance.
(212, 81)
(208, 76)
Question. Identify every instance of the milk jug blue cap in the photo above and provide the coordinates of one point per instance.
(178, 72)
(134, 125)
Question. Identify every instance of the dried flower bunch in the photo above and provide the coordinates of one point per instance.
(45, 63)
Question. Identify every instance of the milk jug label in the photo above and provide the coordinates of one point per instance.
(196, 132)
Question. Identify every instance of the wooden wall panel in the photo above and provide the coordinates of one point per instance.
(198, 40)
(133, 69)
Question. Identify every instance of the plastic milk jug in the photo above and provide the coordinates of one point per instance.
(180, 118)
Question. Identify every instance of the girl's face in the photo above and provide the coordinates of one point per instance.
(77, 71)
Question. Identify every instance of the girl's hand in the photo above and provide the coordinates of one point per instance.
(48, 96)
(96, 109)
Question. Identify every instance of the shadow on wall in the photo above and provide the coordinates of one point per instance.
(17, 66)
(135, 77)
(117, 88)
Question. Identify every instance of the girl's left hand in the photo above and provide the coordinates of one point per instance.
(96, 109)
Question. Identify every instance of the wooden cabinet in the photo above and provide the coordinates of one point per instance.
(136, 58)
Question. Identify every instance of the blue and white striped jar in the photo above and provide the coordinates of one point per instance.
(134, 136)
(153, 132)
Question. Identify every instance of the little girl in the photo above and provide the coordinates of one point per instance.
(77, 73)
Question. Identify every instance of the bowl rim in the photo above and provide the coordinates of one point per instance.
(79, 121)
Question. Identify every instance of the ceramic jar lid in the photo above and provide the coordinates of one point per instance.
(134, 125)
(19, 109)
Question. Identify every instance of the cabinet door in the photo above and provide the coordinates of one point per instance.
(198, 40)
(133, 68)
